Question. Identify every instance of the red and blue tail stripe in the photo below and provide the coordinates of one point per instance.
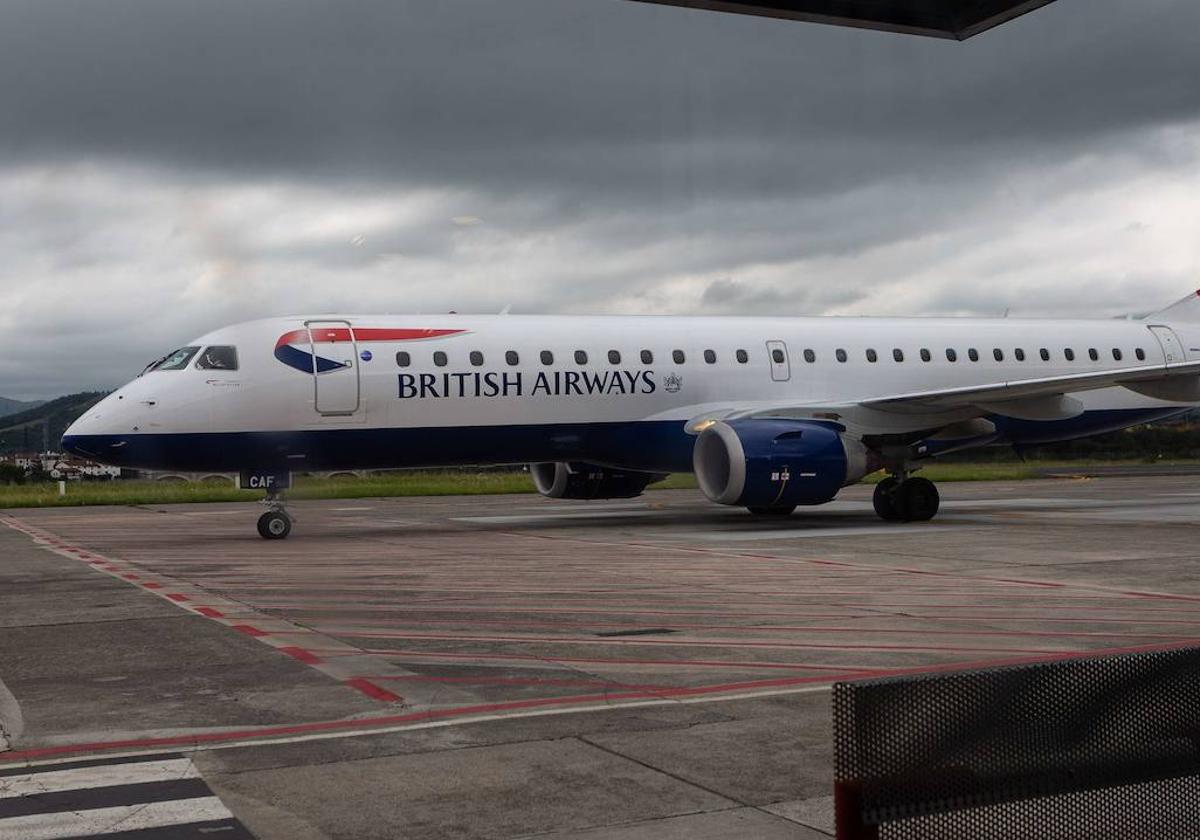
(287, 351)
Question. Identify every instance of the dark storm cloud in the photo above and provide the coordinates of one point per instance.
(614, 96)
(168, 167)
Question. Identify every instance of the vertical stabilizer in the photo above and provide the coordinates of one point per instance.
(1187, 309)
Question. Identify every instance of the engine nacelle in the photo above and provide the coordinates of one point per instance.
(560, 480)
(777, 463)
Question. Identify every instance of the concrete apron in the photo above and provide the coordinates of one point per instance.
(11, 722)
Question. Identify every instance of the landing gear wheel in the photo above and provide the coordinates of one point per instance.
(784, 510)
(885, 499)
(274, 525)
(917, 500)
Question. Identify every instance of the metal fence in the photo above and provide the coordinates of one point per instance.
(1102, 747)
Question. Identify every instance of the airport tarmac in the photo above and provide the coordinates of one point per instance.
(511, 666)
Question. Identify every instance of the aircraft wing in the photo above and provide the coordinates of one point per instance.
(1034, 398)
(1143, 379)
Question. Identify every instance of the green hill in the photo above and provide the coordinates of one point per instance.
(8, 406)
(23, 430)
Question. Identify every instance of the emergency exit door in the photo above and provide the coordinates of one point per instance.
(337, 383)
(777, 354)
(1172, 349)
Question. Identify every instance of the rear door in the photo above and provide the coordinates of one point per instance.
(337, 382)
(781, 368)
(1171, 346)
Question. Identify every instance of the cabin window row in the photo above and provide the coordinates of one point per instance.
(997, 354)
(546, 357)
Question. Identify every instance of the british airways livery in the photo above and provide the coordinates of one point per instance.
(769, 413)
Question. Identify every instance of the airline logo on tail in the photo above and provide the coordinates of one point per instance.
(295, 348)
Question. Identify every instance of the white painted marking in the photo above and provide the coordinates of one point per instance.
(94, 777)
(463, 721)
(111, 820)
(801, 532)
(576, 504)
(557, 517)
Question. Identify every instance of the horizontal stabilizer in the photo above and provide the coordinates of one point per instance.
(1187, 309)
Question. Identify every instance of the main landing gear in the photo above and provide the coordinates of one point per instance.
(275, 524)
(900, 498)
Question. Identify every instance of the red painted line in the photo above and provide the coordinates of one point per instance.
(351, 725)
(721, 643)
(368, 624)
(398, 653)
(373, 691)
(177, 597)
(152, 585)
(210, 612)
(520, 681)
(250, 630)
(307, 657)
(130, 576)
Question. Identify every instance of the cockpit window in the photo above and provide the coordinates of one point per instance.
(218, 357)
(175, 360)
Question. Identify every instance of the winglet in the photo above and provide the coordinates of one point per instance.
(1187, 309)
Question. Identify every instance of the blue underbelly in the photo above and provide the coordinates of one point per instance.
(653, 446)
(1029, 432)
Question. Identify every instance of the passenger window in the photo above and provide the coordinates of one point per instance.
(677, 355)
(511, 358)
(1020, 354)
(1093, 355)
(1141, 354)
(973, 354)
(926, 356)
(647, 357)
(810, 356)
(218, 357)
(898, 354)
(580, 357)
(403, 359)
(872, 356)
(742, 357)
(175, 360)
(841, 355)
(710, 357)
(1045, 354)
(777, 356)
(1069, 354)
(439, 358)
(951, 355)
(998, 354)
(547, 358)
(476, 358)
(614, 358)
(1117, 354)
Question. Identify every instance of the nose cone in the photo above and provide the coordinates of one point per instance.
(92, 437)
(78, 440)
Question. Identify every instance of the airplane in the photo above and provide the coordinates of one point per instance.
(769, 413)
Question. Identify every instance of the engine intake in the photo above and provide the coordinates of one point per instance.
(560, 480)
(777, 463)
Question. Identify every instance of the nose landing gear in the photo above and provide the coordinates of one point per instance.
(900, 498)
(275, 524)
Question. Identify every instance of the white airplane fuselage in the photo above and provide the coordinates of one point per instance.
(374, 391)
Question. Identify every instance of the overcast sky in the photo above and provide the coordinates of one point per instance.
(169, 167)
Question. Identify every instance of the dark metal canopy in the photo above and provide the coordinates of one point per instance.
(959, 19)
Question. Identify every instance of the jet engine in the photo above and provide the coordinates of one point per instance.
(560, 480)
(777, 464)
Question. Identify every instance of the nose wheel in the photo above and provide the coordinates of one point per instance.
(906, 499)
(275, 524)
